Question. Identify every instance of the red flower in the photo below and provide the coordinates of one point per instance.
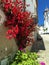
(12, 32)
(14, 35)
(7, 6)
(14, 10)
(16, 30)
(8, 37)
(7, 0)
(20, 23)
(9, 34)
(9, 31)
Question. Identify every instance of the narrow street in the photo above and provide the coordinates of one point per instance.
(44, 54)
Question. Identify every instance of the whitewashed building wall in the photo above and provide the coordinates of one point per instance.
(46, 20)
(32, 7)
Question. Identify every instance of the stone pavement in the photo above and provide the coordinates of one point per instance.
(44, 54)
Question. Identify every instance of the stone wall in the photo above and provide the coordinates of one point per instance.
(7, 47)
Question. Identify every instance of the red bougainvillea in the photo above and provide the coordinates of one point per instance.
(19, 22)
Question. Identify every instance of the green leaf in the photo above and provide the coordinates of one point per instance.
(14, 63)
(28, 58)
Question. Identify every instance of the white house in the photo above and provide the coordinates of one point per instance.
(46, 20)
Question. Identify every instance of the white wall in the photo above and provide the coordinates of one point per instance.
(32, 7)
(46, 21)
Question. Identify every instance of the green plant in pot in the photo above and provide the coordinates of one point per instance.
(28, 58)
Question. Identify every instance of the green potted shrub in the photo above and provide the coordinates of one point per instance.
(28, 58)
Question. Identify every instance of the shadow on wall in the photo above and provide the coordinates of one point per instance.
(38, 45)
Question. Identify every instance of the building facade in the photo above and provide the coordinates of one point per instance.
(32, 8)
(46, 20)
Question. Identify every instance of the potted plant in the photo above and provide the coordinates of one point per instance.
(28, 58)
